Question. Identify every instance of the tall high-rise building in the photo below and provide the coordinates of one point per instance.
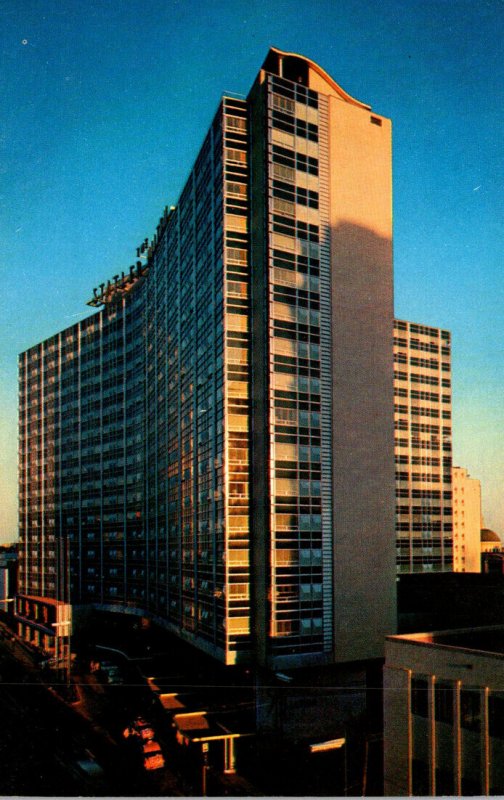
(214, 446)
(467, 521)
(423, 448)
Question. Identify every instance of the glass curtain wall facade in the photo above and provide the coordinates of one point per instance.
(134, 455)
(292, 369)
(423, 440)
(81, 465)
(197, 384)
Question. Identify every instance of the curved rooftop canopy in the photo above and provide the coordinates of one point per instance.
(299, 69)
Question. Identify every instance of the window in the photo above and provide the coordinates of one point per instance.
(310, 626)
(238, 558)
(283, 207)
(238, 591)
(445, 782)
(470, 710)
(236, 189)
(283, 627)
(283, 103)
(284, 172)
(286, 558)
(236, 123)
(496, 715)
(237, 156)
(443, 703)
(238, 625)
(420, 776)
(419, 697)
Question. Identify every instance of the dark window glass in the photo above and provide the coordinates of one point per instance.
(496, 715)
(470, 710)
(419, 698)
(471, 786)
(443, 703)
(420, 776)
(445, 782)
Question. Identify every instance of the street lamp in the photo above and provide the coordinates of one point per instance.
(333, 744)
(204, 750)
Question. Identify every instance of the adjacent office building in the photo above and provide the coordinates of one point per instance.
(213, 447)
(423, 448)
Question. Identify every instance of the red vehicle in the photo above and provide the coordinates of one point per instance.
(141, 728)
(153, 757)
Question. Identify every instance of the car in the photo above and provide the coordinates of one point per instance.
(152, 755)
(140, 729)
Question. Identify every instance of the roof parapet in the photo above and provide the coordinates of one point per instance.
(297, 68)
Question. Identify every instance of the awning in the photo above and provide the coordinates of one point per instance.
(200, 727)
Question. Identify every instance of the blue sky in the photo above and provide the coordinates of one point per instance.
(106, 103)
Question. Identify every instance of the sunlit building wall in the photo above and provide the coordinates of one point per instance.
(423, 448)
(197, 361)
(466, 521)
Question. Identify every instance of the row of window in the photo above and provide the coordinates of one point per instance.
(294, 91)
(470, 706)
(294, 160)
(434, 333)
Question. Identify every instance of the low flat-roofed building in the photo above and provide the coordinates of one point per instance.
(444, 713)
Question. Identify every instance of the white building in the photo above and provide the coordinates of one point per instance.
(444, 713)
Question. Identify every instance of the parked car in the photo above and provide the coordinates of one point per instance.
(139, 728)
(143, 728)
(152, 755)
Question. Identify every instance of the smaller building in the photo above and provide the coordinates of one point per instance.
(47, 624)
(466, 521)
(8, 576)
(492, 563)
(444, 713)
